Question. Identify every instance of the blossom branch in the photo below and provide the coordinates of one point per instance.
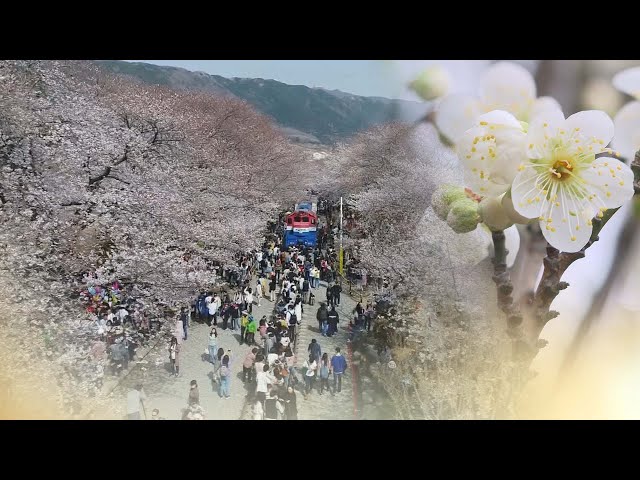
(502, 279)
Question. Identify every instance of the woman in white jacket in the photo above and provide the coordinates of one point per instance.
(309, 375)
(248, 299)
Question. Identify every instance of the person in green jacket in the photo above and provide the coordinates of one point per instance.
(252, 327)
(244, 321)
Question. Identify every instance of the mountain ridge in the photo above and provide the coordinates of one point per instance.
(305, 114)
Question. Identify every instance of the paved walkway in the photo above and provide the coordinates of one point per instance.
(326, 406)
(169, 394)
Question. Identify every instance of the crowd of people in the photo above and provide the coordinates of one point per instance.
(121, 324)
(286, 278)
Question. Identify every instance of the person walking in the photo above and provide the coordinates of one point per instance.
(248, 366)
(290, 404)
(368, 316)
(184, 318)
(174, 356)
(337, 290)
(248, 300)
(315, 351)
(338, 367)
(244, 321)
(272, 287)
(322, 315)
(332, 319)
(213, 345)
(305, 290)
(258, 290)
(194, 393)
(330, 295)
(136, 399)
(225, 378)
(251, 331)
(213, 313)
(323, 373)
(263, 380)
(310, 366)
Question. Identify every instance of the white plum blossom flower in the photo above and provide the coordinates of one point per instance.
(491, 151)
(562, 183)
(504, 86)
(627, 120)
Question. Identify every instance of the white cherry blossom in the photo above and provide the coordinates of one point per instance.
(504, 86)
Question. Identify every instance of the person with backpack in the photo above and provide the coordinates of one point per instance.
(330, 295)
(323, 373)
(292, 320)
(337, 290)
(315, 351)
(225, 378)
(305, 290)
(338, 367)
(332, 319)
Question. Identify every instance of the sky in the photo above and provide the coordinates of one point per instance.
(380, 78)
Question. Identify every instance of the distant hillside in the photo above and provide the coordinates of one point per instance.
(308, 115)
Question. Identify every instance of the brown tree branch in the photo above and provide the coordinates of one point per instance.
(107, 170)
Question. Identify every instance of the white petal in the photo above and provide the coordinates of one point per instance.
(543, 104)
(512, 242)
(565, 237)
(500, 117)
(627, 128)
(508, 86)
(628, 81)
(524, 193)
(543, 126)
(590, 124)
(491, 155)
(610, 182)
(456, 114)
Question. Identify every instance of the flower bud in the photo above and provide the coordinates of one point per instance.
(493, 214)
(507, 205)
(443, 197)
(463, 216)
(432, 83)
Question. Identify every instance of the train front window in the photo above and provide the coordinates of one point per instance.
(296, 219)
(305, 219)
(289, 220)
(313, 221)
